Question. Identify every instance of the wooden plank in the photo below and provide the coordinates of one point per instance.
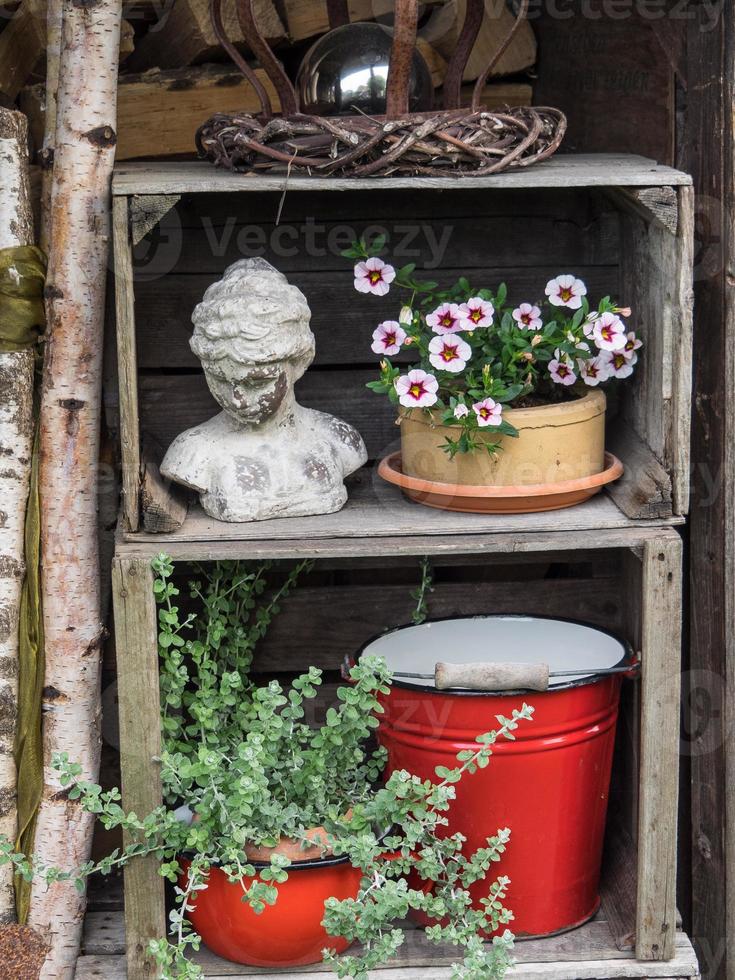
(652, 203)
(22, 46)
(128, 425)
(136, 634)
(104, 933)
(659, 775)
(500, 95)
(683, 329)
(210, 212)
(378, 520)
(582, 170)
(146, 213)
(163, 309)
(308, 18)
(656, 270)
(184, 34)
(609, 963)
(367, 610)
(644, 490)
(163, 503)
(476, 240)
(444, 27)
(521, 542)
(159, 112)
(590, 60)
(618, 889)
(376, 509)
(707, 150)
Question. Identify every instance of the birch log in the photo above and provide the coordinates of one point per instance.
(16, 443)
(54, 11)
(69, 440)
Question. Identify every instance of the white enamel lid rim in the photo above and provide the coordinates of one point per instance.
(564, 644)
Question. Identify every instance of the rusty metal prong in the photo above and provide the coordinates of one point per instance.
(338, 13)
(401, 57)
(215, 13)
(461, 54)
(480, 83)
(262, 51)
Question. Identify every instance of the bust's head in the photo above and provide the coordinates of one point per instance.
(252, 335)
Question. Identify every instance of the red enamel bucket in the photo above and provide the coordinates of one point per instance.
(289, 933)
(550, 786)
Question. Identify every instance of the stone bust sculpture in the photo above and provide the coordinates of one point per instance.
(264, 455)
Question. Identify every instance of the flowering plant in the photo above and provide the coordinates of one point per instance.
(476, 353)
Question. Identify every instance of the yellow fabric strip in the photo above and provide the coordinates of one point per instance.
(28, 743)
(22, 321)
(22, 316)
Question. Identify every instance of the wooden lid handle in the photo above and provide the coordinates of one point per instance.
(492, 677)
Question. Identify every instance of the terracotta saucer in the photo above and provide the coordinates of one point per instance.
(499, 500)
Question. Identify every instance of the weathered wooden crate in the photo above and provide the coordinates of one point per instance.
(622, 223)
(631, 580)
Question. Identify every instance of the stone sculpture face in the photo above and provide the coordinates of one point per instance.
(252, 335)
(249, 393)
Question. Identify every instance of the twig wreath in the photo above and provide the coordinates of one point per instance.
(449, 142)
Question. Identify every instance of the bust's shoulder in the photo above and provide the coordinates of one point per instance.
(190, 457)
(339, 433)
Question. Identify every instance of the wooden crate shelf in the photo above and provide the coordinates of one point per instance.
(632, 232)
(651, 605)
(637, 216)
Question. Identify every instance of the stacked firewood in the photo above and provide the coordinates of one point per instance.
(174, 74)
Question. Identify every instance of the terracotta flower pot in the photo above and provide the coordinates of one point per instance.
(289, 933)
(556, 443)
(292, 849)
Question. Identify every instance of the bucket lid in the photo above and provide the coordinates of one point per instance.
(562, 644)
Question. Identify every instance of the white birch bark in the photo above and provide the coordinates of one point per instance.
(16, 443)
(70, 422)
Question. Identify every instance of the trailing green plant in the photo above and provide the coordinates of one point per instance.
(422, 592)
(244, 764)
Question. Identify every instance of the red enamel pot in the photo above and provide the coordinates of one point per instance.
(550, 786)
(289, 933)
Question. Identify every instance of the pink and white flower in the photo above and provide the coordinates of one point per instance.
(632, 344)
(447, 318)
(528, 317)
(593, 370)
(417, 389)
(589, 324)
(477, 312)
(608, 332)
(449, 353)
(562, 370)
(374, 276)
(566, 291)
(388, 338)
(618, 364)
(461, 411)
(489, 412)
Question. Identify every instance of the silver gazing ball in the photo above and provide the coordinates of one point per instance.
(346, 71)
